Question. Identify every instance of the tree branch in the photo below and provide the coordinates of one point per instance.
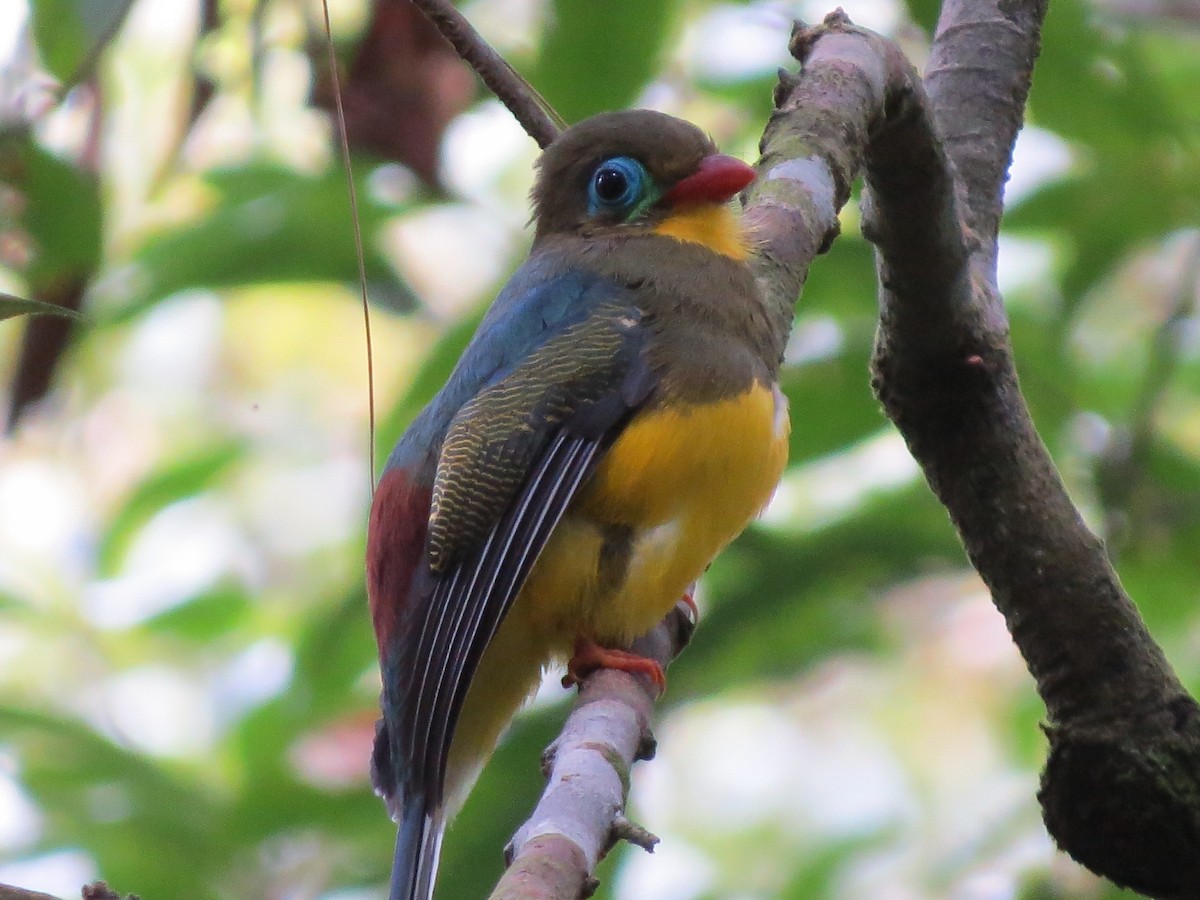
(978, 77)
(1121, 790)
(580, 815)
(813, 147)
(530, 108)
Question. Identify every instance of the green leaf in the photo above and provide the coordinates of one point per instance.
(925, 13)
(60, 211)
(1175, 64)
(830, 401)
(1083, 68)
(752, 97)
(819, 870)
(121, 807)
(270, 225)
(335, 648)
(178, 479)
(203, 618)
(842, 282)
(11, 306)
(1108, 211)
(781, 601)
(70, 34)
(597, 56)
(1174, 470)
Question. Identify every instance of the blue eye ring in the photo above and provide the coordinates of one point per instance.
(616, 185)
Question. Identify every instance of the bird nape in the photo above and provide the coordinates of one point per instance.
(613, 424)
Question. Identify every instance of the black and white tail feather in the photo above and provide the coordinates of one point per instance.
(465, 612)
(418, 846)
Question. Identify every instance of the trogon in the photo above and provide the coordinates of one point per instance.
(613, 424)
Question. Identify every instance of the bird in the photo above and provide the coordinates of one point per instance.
(613, 424)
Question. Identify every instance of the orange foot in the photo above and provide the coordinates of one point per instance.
(590, 656)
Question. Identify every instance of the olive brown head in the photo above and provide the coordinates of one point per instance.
(628, 171)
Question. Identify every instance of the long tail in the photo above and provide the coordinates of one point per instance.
(418, 843)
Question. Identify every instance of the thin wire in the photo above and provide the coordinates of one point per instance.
(358, 244)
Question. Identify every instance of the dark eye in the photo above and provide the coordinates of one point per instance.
(616, 185)
(611, 185)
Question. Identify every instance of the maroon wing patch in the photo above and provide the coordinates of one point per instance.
(395, 542)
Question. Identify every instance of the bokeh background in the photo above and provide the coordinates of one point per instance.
(187, 680)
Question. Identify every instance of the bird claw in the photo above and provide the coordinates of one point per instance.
(590, 656)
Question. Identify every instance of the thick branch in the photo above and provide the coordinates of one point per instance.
(1121, 791)
(978, 78)
(812, 149)
(581, 813)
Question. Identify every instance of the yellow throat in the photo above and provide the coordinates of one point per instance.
(715, 226)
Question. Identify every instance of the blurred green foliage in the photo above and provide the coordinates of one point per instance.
(275, 802)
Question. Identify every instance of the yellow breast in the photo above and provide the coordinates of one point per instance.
(680, 484)
(727, 455)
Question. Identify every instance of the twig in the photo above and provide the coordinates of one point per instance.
(581, 812)
(530, 108)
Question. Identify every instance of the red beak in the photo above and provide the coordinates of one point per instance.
(718, 179)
